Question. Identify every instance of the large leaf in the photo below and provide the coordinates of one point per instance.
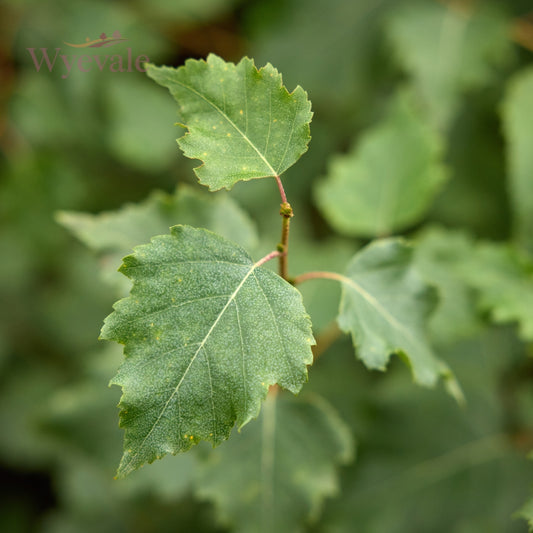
(385, 306)
(242, 122)
(503, 278)
(206, 332)
(389, 178)
(113, 234)
(518, 120)
(449, 49)
(275, 474)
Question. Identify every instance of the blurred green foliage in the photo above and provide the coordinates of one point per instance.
(97, 140)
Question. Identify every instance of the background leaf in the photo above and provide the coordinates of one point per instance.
(449, 49)
(389, 178)
(439, 256)
(287, 462)
(114, 234)
(518, 122)
(503, 277)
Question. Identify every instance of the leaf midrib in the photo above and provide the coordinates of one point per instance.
(386, 315)
(185, 373)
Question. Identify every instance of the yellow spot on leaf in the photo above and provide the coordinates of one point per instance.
(228, 134)
(214, 127)
(191, 437)
(241, 112)
(275, 120)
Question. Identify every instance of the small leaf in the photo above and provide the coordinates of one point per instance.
(276, 473)
(388, 180)
(518, 121)
(385, 306)
(242, 122)
(206, 332)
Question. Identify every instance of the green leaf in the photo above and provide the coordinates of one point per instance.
(448, 50)
(518, 122)
(113, 234)
(388, 180)
(142, 139)
(206, 332)
(385, 306)
(503, 278)
(439, 257)
(345, 75)
(274, 475)
(242, 122)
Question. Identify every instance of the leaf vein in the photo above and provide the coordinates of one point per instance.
(185, 373)
(224, 115)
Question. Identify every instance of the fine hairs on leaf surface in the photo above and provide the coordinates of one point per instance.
(206, 332)
(242, 122)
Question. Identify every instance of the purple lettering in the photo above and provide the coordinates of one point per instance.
(129, 60)
(101, 65)
(49, 64)
(117, 63)
(141, 59)
(69, 66)
(81, 59)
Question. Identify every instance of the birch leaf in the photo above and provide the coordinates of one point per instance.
(206, 332)
(385, 307)
(241, 121)
(388, 181)
(287, 465)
